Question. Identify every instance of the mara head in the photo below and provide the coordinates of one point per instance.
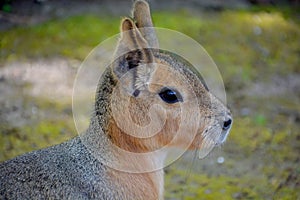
(158, 100)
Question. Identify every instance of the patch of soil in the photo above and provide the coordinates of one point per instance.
(24, 82)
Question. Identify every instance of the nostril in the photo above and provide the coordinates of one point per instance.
(227, 124)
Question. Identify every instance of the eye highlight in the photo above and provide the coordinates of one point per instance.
(170, 95)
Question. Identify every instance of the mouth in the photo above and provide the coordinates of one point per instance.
(212, 141)
(223, 137)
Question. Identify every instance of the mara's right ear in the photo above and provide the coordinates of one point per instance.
(133, 64)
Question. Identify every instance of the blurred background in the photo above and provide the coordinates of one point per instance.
(255, 44)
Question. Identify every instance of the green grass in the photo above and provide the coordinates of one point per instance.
(224, 187)
(73, 37)
(201, 186)
(231, 40)
(16, 141)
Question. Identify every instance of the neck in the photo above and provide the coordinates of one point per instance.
(127, 158)
(140, 174)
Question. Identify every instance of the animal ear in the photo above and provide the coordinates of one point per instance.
(133, 65)
(142, 16)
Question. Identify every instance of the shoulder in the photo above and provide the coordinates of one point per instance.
(61, 170)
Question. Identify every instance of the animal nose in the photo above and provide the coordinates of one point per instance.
(227, 124)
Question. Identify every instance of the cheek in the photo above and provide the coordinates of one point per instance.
(169, 131)
(178, 133)
(139, 110)
(138, 114)
(194, 135)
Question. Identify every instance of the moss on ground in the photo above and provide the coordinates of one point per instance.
(201, 186)
(16, 141)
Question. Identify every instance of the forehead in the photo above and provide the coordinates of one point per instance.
(174, 71)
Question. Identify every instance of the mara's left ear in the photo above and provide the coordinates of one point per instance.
(134, 59)
(142, 16)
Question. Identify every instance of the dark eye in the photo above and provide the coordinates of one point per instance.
(170, 96)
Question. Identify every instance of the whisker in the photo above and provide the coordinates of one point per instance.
(189, 170)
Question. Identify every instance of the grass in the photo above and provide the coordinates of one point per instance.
(201, 186)
(247, 45)
(73, 37)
